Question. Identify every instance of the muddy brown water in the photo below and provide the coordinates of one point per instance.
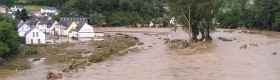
(216, 60)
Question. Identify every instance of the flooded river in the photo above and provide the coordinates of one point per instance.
(216, 60)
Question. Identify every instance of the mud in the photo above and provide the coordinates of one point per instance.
(216, 60)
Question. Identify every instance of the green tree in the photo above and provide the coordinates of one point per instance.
(97, 18)
(55, 17)
(184, 12)
(18, 14)
(24, 15)
(207, 10)
(9, 40)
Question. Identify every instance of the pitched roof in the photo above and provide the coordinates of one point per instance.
(49, 8)
(79, 26)
(32, 22)
(49, 23)
(18, 21)
(19, 26)
(73, 19)
(32, 28)
(66, 24)
(47, 14)
(31, 14)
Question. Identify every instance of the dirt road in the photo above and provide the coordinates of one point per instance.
(216, 60)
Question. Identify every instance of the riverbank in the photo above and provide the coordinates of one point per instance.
(216, 60)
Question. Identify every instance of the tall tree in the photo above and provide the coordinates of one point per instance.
(184, 11)
(97, 18)
(208, 10)
(18, 14)
(9, 40)
(24, 15)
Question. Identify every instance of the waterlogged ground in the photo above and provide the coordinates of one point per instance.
(216, 60)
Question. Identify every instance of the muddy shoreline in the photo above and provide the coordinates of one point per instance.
(216, 60)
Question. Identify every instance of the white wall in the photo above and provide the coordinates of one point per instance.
(29, 37)
(49, 30)
(47, 11)
(24, 28)
(86, 31)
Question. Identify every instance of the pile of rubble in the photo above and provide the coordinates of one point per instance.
(176, 43)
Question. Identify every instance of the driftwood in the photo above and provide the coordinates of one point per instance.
(224, 39)
(274, 53)
(52, 75)
(248, 45)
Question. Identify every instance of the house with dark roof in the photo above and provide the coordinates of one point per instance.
(19, 22)
(75, 19)
(23, 29)
(4, 9)
(82, 31)
(46, 25)
(67, 26)
(48, 10)
(35, 36)
(17, 7)
(47, 14)
(31, 15)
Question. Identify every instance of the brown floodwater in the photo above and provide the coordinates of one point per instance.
(216, 60)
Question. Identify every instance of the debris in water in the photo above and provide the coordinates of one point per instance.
(224, 39)
(52, 75)
(274, 53)
(141, 43)
(249, 45)
(176, 43)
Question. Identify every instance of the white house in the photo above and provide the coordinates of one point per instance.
(50, 28)
(46, 25)
(48, 10)
(23, 29)
(83, 30)
(17, 7)
(35, 36)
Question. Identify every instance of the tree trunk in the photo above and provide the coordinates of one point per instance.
(202, 35)
(208, 37)
(189, 22)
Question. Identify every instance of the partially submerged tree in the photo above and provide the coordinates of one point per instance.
(182, 9)
(207, 10)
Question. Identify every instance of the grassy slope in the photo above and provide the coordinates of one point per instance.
(32, 8)
(22, 1)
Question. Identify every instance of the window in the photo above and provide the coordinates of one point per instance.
(39, 41)
(37, 34)
(33, 34)
(22, 28)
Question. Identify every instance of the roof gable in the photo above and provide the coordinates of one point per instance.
(33, 28)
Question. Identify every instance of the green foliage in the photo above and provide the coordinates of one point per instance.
(116, 12)
(261, 15)
(113, 45)
(55, 17)
(23, 15)
(97, 18)
(8, 3)
(9, 40)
